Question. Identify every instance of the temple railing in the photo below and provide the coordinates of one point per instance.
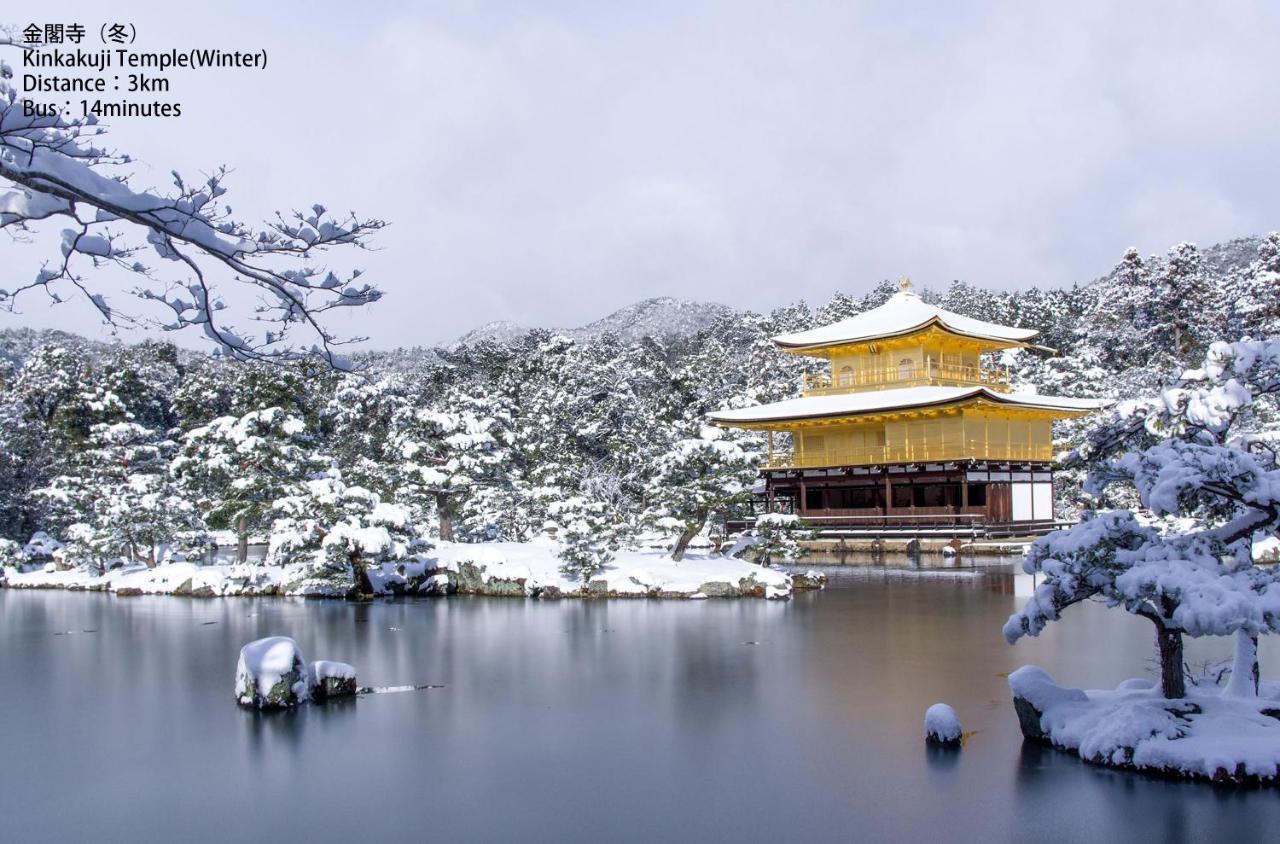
(909, 453)
(931, 373)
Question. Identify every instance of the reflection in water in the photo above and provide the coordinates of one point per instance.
(942, 762)
(578, 720)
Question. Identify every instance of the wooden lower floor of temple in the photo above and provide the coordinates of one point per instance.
(975, 498)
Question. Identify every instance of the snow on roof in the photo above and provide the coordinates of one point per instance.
(904, 313)
(876, 401)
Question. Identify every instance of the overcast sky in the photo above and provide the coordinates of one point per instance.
(550, 162)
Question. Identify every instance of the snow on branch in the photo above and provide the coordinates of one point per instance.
(1183, 561)
(180, 243)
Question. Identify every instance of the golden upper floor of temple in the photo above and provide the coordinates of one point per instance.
(905, 320)
(905, 342)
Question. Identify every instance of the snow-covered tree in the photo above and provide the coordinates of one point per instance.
(1181, 321)
(585, 530)
(1255, 300)
(1121, 307)
(1192, 461)
(701, 476)
(117, 500)
(236, 468)
(54, 170)
(342, 530)
(444, 456)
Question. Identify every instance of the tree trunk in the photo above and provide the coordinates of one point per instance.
(446, 517)
(1173, 682)
(690, 531)
(362, 587)
(242, 540)
(1244, 667)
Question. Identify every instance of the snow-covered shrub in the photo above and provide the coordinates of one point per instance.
(585, 531)
(86, 548)
(779, 536)
(1191, 460)
(192, 546)
(12, 554)
(40, 548)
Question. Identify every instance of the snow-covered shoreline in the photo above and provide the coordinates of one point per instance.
(531, 569)
(1207, 736)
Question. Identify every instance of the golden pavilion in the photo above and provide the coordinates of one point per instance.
(913, 427)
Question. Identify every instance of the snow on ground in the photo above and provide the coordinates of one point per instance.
(631, 573)
(499, 568)
(1204, 736)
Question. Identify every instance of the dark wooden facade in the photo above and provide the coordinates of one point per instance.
(981, 495)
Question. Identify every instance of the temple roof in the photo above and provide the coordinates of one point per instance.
(904, 313)
(885, 401)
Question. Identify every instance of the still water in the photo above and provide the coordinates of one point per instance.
(576, 721)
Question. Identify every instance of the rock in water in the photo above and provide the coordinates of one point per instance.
(1034, 691)
(330, 680)
(941, 726)
(272, 674)
(811, 579)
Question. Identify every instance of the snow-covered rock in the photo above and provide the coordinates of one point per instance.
(272, 674)
(328, 680)
(1204, 736)
(809, 579)
(942, 726)
(1034, 692)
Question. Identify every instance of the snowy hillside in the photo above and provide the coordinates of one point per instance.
(663, 318)
(16, 344)
(499, 331)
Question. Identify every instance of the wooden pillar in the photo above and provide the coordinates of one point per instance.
(802, 506)
(888, 497)
(771, 448)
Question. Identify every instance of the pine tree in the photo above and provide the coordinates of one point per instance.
(236, 467)
(342, 531)
(445, 456)
(585, 530)
(702, 476)
(117, 499)
(1255, 303)
(1180, 323)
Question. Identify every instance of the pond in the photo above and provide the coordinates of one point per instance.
(577, 720)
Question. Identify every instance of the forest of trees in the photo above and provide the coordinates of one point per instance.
(137, 450)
